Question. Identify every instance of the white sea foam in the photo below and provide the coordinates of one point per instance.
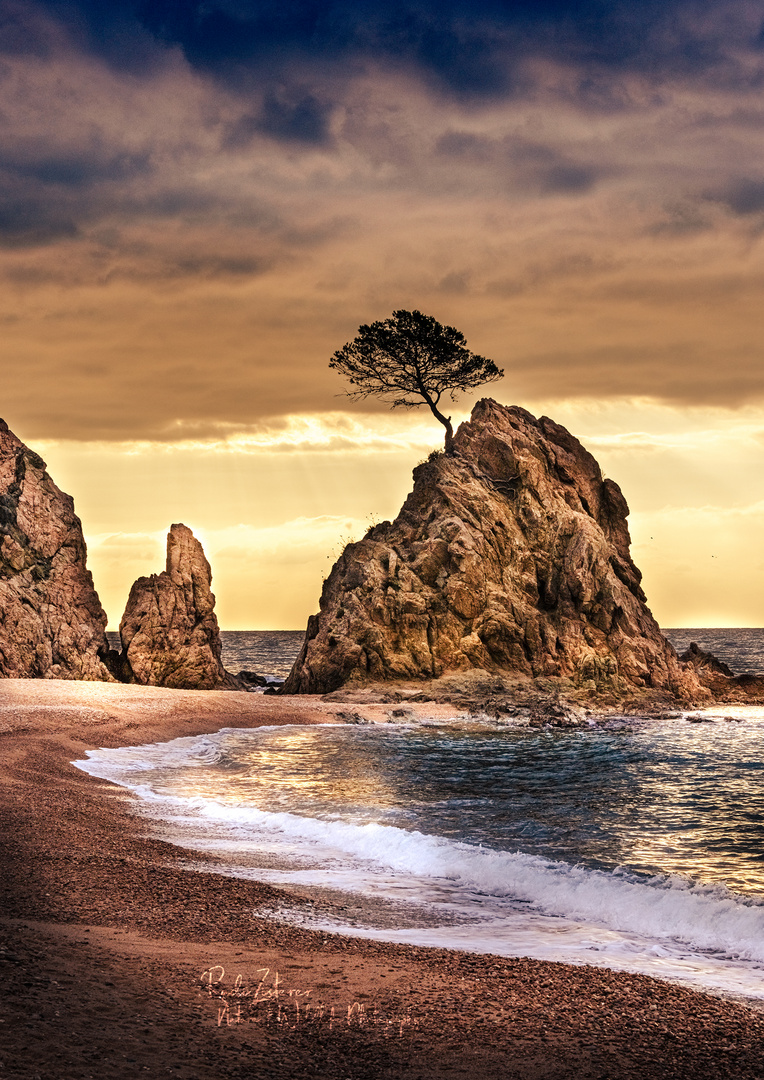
(707, 918)
(187, 751)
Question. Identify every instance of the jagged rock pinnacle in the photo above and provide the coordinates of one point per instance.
(169, 631)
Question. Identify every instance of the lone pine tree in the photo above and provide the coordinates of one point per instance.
(410, 360)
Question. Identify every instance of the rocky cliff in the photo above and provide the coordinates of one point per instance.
(169, 631)
(511, 556)
(52, 624)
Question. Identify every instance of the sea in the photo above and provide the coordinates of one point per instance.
(637, 844)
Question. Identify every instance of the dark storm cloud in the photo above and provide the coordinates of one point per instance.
(301, 117)
(30, 223)
(77, 171)
(23, 31)
(198, 199)
(27, 216)
(110, 30)
(744, 197)
(48, 196)
(469, 47)
(473, 49)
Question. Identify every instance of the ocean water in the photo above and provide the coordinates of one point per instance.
(742, 650)
(266, 652)
(638, 845)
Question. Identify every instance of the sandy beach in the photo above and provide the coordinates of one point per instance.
(117, 961)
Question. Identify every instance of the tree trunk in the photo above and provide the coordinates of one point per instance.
(446, 422)
(449, 438)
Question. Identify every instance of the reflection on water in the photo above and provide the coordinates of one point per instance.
(267, 652)
(289, 770)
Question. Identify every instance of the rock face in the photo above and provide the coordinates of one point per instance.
(511, 556)
(169, 631)
(52, 624)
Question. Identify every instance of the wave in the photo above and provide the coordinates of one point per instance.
(187, 751)
(707, 918)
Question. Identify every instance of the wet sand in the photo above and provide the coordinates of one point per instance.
(119, 962)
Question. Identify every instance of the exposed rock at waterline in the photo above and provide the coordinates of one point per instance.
(717, 677)
(169, 632)
(250, 680)
(511, 557)
(52, 624)
(704, 661)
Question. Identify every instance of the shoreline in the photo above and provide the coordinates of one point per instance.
(105, 935)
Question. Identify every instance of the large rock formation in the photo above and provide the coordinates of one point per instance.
(511, 556)
(52, 624)
(169, 631)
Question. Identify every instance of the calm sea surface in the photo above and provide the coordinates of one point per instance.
(638, 845)
(266, 652)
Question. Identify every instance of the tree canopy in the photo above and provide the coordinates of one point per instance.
(410, 360)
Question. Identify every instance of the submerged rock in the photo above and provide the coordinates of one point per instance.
(52, 624)
(251, 679)
(557, 714)
(169, 632)
(512, 557)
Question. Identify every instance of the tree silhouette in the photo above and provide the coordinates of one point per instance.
(410, 360)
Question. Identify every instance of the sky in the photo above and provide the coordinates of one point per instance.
(201, 202)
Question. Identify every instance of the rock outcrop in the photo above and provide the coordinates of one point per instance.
(511, 556)
(169, 631)
(704, 661)
(52, 624)
(717, 677)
